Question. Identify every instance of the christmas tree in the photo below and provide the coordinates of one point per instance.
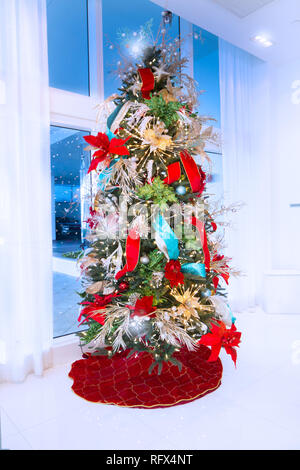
(151, 273)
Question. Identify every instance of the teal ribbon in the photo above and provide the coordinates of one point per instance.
(167, 235)
(109, 134)
(197, 269)
(113, 115)
(105, 175)
(233, 319)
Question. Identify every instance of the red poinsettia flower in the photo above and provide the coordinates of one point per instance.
(93, 310)
(220, 337)
(144, 306)
(225, 275)
(173, 272)
(105, 148)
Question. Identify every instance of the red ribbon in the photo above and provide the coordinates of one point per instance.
(174, 173)
(132, 253)
(201, 229)
(195, 177)
(192, 172)
(214, 226)
(148, 81)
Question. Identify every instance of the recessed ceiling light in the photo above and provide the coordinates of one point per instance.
(262, 40)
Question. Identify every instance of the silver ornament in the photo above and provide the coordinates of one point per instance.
(181, 190)
(206, 293)
(138, 327)
(144, 259)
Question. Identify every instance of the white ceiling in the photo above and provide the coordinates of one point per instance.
(278, 20)
(242, 8)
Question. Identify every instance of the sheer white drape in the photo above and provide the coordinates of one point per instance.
(245, 139)
(25, 210)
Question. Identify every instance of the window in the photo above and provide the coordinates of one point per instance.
(206, 73)
(67, 22)
(69, 163)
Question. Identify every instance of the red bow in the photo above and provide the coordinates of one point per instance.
(221, 337)
(105, 148)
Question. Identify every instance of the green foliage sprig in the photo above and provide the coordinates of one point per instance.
(72, 254)
(158, 192)
(88, 335)
(166, 112)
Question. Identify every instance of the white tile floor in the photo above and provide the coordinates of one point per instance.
(256, 407)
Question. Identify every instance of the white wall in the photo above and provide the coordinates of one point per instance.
(285, 159)
(282, 280)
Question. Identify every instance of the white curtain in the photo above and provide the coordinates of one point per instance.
(245, 140)
(25, 205)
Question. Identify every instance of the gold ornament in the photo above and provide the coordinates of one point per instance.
(156, 138)
(167, 96)
(189, 303)
(170, 93)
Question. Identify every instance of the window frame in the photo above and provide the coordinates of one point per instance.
(68, 109)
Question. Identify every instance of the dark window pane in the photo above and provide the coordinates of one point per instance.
(206, 71)
(119, 18)
(68, 45)
(69, 163)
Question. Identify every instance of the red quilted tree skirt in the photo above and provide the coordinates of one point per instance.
(126, 382)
